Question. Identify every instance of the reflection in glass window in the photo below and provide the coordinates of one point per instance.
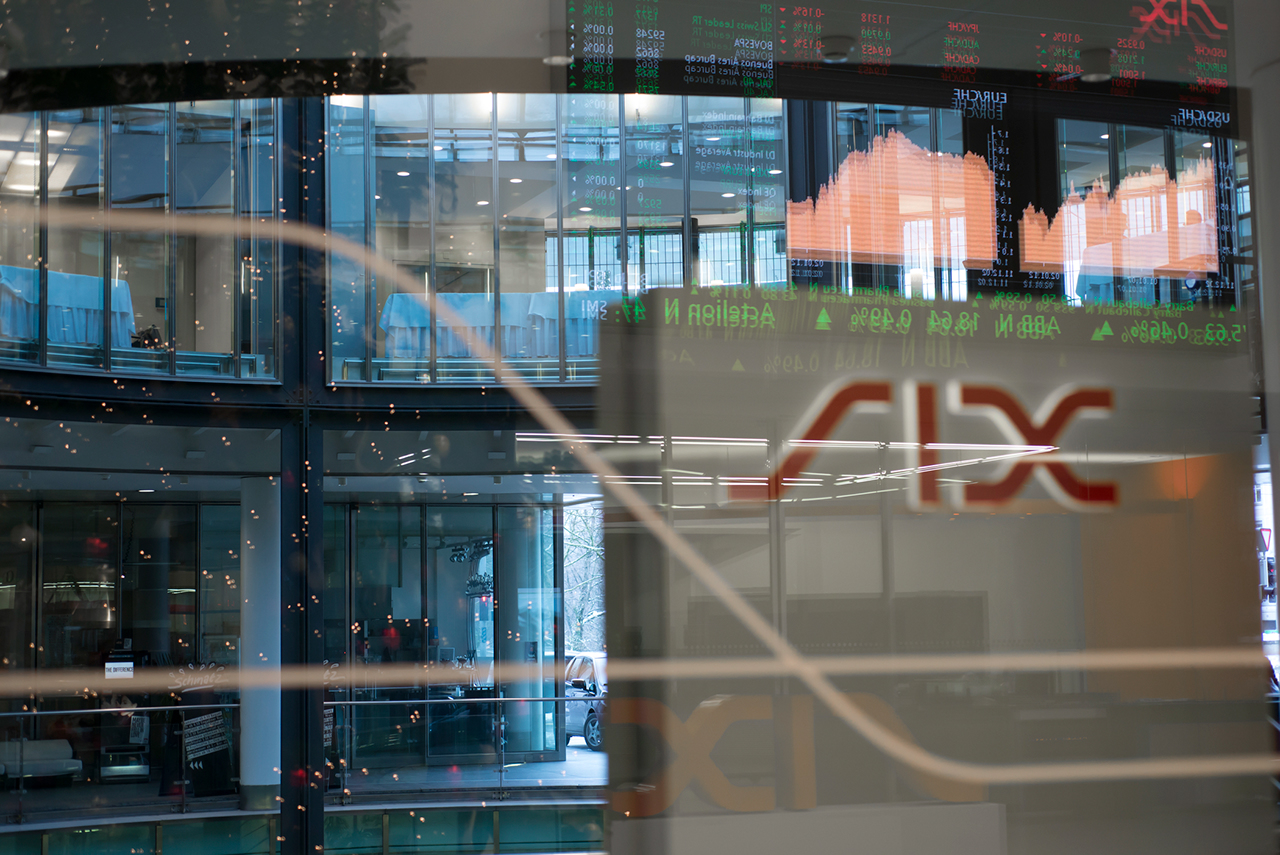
(348, 214)
(78, 584)
(19, 235)
(257, 165)
(17, 561)
(916, 215)
(464, 248)
(402, 202)
(527, 225)
(157, 582)
(75, 256)
(220, 584)
(139, 181)
(655, 188)
(204, 265)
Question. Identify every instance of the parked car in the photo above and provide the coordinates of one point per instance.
(584, 677)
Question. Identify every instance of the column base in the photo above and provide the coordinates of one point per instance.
(259, 797)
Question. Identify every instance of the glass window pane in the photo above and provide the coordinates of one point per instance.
(464, 231)
(1084, 164)
(220, 584)
(1083, 156)
(530, 304)
(257, 266)
(853, 129)
(78, 584)
(590, 259)
(19, 235)
(527, 632)
(460, 631)
(17, 557)
(1140, 149)
(718, 189)
(247, 836)
(138, 264)
(402, 202)
(388, 621)
(655, 187)
(75, 255)
(768, 192)
(347, 212)
(157, 582)
(439, 831)
(204, 265)
(335, 584)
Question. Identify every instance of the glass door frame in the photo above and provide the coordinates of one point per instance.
(503, 756)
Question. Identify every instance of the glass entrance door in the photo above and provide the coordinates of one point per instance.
(459, 559)
(529, 602)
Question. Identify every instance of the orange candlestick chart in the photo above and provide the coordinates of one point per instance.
(1153, 225)
(898, 203)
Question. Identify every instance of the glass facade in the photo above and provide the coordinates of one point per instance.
(638, 427)
(192, 304)
(525, 248)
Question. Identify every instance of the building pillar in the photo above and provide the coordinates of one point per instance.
(260, 621)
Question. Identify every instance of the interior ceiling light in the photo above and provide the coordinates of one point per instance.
(836, 49)
(727, 195)
(1207, 145)
(483, 202)
(775, 171)
(517, 180)
(403, 174)
(558, 60)
(1095, 65)
(713, 139)
(1106, 136)
(666, 163)
(584, 209)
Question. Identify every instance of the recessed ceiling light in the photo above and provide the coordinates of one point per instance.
(584, 209)
(439, 148)
(517, 180)
(1106, 136)
(482, 202)
(727, 195)
(146, 491)
(775, 171)
(376, 196)
(551, 156)
(666, 163)
(713, 139)
(403, 174)
(1207, 145)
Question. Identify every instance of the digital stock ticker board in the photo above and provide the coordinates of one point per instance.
(993, 192)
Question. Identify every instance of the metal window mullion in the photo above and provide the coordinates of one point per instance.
(433, 319)
(108, 269)
(276, 286)
(561, 190)
(686, 169)
(370, 298)
(622, 196)
(237, 240)
(171, 239)
(493, 207)
(42, 245)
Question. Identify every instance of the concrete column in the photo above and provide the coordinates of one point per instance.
(260, 619)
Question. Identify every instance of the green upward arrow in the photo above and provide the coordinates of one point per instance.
(1102, 331)
(824, 321)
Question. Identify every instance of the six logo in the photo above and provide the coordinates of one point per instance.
(1028, 435)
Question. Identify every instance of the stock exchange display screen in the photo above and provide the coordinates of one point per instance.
(746, 47)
